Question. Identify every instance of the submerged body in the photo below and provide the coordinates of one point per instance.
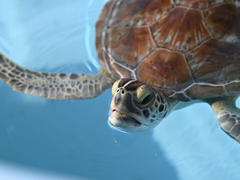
(158, 53)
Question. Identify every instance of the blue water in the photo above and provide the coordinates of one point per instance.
(46, 139)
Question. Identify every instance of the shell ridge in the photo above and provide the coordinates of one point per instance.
(180, 45)
(183, 91)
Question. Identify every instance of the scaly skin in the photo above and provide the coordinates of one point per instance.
(228, 115)
(53, 85)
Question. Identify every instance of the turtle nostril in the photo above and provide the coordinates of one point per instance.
(119, 94)
(121, 90)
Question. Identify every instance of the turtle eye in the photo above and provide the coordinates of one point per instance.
(115, 87)
(144, 96)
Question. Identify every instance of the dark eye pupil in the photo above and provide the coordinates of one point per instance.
(147, 99)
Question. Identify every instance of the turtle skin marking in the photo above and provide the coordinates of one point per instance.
(230, 123)
(52, 85)
(228, 115)
(136, 106)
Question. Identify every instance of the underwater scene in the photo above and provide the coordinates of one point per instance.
(44, 139)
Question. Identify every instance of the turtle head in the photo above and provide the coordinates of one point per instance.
(136, 106)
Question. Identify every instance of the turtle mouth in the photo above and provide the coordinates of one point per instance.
(121, 119)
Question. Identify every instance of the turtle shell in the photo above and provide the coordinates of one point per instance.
(189, 49)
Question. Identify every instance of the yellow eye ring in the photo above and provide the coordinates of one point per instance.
(144, 96)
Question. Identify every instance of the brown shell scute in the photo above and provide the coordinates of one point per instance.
(181, 29)
(201, 4)
(197, 91)
(221, 19)
(165, 68)
(132, 44)
(139, 12)
(215, 62)
(189, 47)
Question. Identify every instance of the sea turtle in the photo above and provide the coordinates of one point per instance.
(156, 54)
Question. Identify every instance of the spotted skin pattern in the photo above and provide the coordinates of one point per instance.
(228, 115)
(52, 85)
(125, 102)
(230, 123)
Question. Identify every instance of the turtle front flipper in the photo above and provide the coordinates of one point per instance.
(53, 85)
(228, 115)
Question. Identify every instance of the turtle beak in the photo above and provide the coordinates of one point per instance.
(122, 120)
(123, 114)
